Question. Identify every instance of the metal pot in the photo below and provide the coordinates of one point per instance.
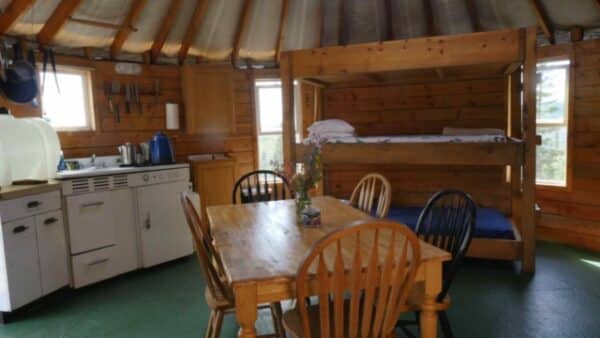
(127, 152)
(145, 152)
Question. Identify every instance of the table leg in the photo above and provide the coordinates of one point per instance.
(246, 309)
(433, 286)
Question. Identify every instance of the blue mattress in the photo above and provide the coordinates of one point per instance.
(490, 222)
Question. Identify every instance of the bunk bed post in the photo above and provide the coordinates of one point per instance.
(287, 88)
(529, 129)
(515, 121)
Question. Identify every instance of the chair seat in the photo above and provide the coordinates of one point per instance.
(417, 295)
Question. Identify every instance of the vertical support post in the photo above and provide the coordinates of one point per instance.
(289, 130)
(529, 129)
(515, 122)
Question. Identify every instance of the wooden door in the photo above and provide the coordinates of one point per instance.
(208, 98)
(214, 182)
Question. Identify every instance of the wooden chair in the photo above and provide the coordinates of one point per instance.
(218, 295)
(361, 290)
(448, 222)
(366, 190)
(260, 186)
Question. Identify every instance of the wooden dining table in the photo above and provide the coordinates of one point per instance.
(261, 248)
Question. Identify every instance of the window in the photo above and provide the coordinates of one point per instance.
(552, 95)
(67, 107)
(269, 124)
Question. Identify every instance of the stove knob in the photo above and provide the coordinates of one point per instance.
(146, 178)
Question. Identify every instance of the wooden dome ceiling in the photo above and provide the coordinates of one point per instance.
(256, 30)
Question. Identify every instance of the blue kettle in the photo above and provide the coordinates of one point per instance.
(161, 149)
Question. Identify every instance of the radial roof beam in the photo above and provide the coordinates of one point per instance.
(542, 19)
(241, 29)
(136, 8)
(342, 29)
(430, 24)
(56, 21)
(285, 6)
(12, 13)
(472, 10)
(389, 19)
(164, 30)
(192, 29)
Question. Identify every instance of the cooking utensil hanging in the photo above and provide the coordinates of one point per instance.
(127, 98)
(116, 90)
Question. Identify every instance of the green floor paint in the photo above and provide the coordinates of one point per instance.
(490, 299)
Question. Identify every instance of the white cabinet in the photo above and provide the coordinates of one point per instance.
(91, 221)
(126, 248)
(21, 277)
(52, 249)
(164, 235)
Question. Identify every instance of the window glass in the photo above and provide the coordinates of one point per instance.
(552, 122)
(68, 105)
(269, 116)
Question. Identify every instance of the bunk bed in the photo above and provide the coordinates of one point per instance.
(512, 51)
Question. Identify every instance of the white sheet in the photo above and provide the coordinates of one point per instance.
(417, 139)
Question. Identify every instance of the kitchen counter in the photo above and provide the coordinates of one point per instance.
(16, 191)
(89, 172)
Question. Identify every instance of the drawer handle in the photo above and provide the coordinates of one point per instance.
(92, 204)
(98, 261)
(19, 229)
(33, 204)
(50, 220)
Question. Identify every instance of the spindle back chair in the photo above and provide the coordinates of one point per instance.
(261, 186)
(370, 188)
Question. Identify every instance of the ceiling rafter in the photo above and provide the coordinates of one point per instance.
(389, 18)
(342, 29)
(192, 29)
(473, 15)
(241, 29)
(430, 23)
(285, 7)
(542, 19)
(321, 20)
(134, 12)
(12, 13)
(165, 28)
(56, 21)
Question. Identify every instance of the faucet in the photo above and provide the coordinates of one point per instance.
(93, 161)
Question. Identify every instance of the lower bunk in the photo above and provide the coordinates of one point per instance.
(495, 236)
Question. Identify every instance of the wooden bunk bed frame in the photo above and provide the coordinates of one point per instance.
(509, 48)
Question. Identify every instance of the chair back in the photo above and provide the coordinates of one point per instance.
(370, 187)
(362, 275)
(448, 222)
(208, 258)
(261, 186)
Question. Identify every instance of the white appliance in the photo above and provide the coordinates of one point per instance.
(120, 219)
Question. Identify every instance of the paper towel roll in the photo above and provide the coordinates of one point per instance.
(172, 118)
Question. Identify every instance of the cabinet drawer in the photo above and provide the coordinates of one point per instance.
(92, 267)
(91, 221)
(29, 205)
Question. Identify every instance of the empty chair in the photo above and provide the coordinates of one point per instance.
(261, 186)
(373, 187)
(218, 294)
(361, 275)
(448, 222)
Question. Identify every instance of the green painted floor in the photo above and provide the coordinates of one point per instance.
(489, 300)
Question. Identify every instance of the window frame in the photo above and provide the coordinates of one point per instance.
(259, 131)
(87, 75)
(568, 123)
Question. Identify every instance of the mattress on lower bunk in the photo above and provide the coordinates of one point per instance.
(490, 223)
(417, 139)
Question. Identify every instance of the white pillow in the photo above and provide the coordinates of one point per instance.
(451, 131)
(331, 126)
(332, 135)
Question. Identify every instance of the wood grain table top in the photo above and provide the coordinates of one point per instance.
(260, 241)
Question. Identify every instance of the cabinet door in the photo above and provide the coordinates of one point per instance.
(208, 98)
(21, 259)
(91, 221)
(214, 182)
(164, 232)
(52, 249)
(126, 249)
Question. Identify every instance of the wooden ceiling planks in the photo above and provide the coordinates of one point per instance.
(12, 13)
(192, 29)
(136, 8)
(241, 29)
(56, 21)
(164, 30)
(542, 19)
(285, 8)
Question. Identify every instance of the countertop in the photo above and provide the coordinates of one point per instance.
(91, 172)
(16, 191)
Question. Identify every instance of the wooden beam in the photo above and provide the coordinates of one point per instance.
(241, 29)
(12, 13)
(389, 18)
(164, 29)
(341, 29)
(287, 91)
(511, 68)
(576, 33)
(285, 6)
(56, 21)
(98, 23)
(134, 12)
(543, 20)
(321, 30)
(472, 9)
(192, 29)
(428, 11)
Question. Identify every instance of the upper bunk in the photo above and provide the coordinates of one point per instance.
(496, 53)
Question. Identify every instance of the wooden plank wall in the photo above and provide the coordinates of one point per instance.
(139, 127)
(573, 215)
(422, 108)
